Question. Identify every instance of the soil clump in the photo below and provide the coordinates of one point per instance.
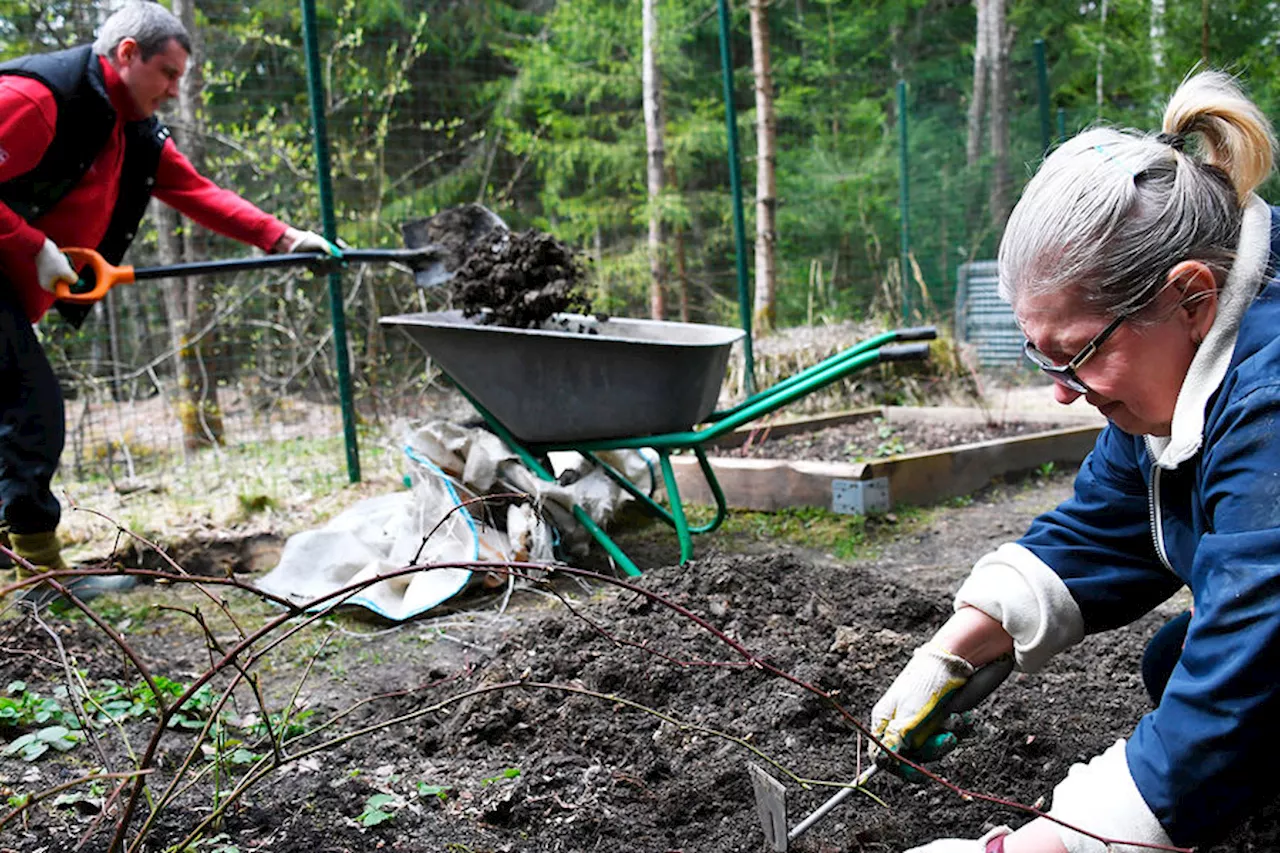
(521, 280)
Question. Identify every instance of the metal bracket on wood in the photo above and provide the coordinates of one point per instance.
(860, 497)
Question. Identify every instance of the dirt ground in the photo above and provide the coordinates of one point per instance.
(876, 438)
(616, 723)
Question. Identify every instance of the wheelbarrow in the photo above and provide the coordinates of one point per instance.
(589, 384)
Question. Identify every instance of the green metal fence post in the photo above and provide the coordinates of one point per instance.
(1062, 125)
(1042, 84)
(904, 201)
(735, 184)
(315, 90)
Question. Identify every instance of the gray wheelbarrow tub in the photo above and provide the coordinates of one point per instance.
(580, 378)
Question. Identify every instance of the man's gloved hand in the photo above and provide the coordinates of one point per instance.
(294, 240)
(909, 717)
(962, 845)
(52, 266)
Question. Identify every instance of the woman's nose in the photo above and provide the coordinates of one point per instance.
(1065, 395)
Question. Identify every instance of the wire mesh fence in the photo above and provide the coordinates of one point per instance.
(535, 110)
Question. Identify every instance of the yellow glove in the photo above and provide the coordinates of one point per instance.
(909, 717)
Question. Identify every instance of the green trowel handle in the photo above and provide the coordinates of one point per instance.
(979, 686)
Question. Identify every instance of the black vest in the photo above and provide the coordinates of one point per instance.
(85, 121)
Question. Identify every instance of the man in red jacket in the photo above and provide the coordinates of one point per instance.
(81, 153)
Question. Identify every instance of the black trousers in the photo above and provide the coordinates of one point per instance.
(32, 424)
(1162, 654)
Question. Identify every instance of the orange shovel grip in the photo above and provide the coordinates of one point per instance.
(105, 276)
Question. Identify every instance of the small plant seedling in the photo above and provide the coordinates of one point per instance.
(379, 808)
(32, 745)
(440, 792)
(1045, 470)
(509, 773)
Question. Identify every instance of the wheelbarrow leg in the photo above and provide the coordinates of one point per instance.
(677, 508)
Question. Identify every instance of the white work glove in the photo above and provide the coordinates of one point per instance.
(909, 717)
(310, 241)
(962, 845)
(52, 266)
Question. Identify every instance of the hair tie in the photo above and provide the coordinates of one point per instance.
(1176, 141)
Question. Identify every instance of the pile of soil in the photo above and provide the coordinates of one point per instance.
(621, 724)
(875, 438)
(521, 280)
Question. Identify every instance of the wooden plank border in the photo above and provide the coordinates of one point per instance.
(914, 478)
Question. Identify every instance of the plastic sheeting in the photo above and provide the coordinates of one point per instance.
(470, 499)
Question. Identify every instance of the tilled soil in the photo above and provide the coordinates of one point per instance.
(625, 722)
(875, 438)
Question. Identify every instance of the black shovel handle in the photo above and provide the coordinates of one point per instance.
(97, 276)
(317, 260)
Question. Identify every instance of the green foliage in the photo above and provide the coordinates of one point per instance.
(440, 792)
(379, 808)
(112, 703)
(508, 773)
(32, 745)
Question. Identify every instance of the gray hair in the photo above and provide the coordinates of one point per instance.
(1111, 211)
(151, 25)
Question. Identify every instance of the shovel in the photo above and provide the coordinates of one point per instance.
(436, 247)
(450, 237)
(97, 276)
(771, 796)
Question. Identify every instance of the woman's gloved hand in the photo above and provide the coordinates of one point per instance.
(993, 841)
(52, 266)
(909, 718)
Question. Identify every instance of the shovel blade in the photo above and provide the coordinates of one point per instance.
(771, 803)
(453, 234)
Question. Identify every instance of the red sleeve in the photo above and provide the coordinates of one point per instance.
(180, 186)
(28, 117)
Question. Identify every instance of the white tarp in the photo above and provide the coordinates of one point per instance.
(448, 466)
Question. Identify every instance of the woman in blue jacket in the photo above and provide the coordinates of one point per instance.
(1142, 276)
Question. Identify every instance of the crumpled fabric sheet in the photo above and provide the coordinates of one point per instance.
(448, 465)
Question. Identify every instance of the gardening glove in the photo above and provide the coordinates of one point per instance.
(987, 842)
(308, 241)
(909, 718)
(52, 266)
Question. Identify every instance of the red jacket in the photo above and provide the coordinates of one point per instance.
(28, 117)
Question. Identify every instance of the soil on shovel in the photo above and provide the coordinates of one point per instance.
(521, 281)
(621, 724)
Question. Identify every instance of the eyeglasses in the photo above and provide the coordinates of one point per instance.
(1065, 374)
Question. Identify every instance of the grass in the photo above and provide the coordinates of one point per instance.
(845, 537)
(279, 486)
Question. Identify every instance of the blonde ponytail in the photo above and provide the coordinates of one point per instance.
(1238, 138)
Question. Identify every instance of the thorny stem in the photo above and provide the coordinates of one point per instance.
(463, 505)
(519, 569)
(32, 799)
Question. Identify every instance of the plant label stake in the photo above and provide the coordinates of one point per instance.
(771, 796)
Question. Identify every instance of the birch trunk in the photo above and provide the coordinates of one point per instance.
(999, 43)
(766, 301)
(981, 76)
(1156, 34)
(654, 131)
(198, 407)
(1102, 55)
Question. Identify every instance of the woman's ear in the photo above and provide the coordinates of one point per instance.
(1196, 288)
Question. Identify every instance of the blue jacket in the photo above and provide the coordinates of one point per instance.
(1134, 533)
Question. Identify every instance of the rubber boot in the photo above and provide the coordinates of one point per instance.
(44, 552)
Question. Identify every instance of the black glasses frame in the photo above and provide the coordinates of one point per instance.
(1065, 374)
